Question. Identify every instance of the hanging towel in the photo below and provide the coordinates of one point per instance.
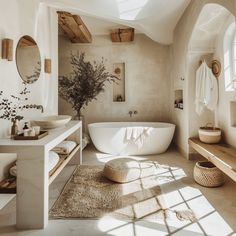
(137, 135)
(129, 134)
(206, 89)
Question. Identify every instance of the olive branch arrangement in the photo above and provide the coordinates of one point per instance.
(10, 107)
(85, 81)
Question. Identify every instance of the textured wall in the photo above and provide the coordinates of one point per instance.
(179, 50)
(225, 97)
(147, 78)
(18, 18)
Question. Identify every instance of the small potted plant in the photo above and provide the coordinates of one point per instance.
(11, 107)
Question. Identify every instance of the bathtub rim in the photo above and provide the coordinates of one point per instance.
(125, 124)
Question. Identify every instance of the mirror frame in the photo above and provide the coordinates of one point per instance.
(40, 70)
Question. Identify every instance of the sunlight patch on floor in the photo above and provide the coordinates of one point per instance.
(214, 224)
(102, 157)
(209, 221)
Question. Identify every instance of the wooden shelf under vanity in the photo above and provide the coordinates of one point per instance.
(8, 185)
(33, 178)
(64, 160)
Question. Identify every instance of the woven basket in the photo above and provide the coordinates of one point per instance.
(207, 174)
(209, 134)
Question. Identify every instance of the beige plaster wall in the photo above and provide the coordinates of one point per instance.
(147, 79)
(225, 97)
(19, 18)
(180, 67)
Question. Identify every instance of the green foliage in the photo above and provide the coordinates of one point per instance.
(85, 82)
(10, 107)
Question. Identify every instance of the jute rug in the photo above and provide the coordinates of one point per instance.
(88, 194)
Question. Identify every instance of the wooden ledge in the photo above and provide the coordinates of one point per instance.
(222, 155)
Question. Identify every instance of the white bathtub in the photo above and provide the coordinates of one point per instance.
(110, 137)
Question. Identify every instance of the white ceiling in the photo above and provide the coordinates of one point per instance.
(155, 18)
(99, 26)
(209, 24)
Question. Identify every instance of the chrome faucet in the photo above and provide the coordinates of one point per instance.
(133, 113)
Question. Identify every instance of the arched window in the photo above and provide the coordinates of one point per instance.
(230, 57)
(233, 55)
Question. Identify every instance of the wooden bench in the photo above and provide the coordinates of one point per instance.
(222, 155)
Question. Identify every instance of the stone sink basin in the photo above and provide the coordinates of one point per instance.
(51, 122)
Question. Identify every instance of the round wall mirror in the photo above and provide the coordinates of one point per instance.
(28, 59)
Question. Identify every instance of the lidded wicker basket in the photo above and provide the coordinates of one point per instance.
(207, 174)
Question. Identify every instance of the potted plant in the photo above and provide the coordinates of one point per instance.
(11, 107)
(85, 82)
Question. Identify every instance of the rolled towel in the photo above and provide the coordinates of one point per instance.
(53, 160)
(13, 171)
(64, 147)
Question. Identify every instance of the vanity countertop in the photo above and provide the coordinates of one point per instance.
(32, 173)
(54, 137)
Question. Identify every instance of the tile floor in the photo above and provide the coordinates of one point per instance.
(215, 208)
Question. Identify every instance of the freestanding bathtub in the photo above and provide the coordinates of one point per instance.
(111, 137)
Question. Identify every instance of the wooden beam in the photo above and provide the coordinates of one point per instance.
(83, 28)
(122, 35)
(74, 28)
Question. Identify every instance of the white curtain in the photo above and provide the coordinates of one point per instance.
(46, 35)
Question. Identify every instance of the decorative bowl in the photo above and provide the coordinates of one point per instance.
(52, 122)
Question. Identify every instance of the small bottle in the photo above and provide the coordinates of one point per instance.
(26, 126)
(26, 129)
(14, 128)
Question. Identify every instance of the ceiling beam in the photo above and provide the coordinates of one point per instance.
(122, 35)
(74, 28)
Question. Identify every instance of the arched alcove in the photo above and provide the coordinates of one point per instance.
(205, 45)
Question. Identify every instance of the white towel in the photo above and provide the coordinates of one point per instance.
(137, 135)
(206, 89)
(129, 134)
(53, 160)
(13, 171)
(64, 147)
